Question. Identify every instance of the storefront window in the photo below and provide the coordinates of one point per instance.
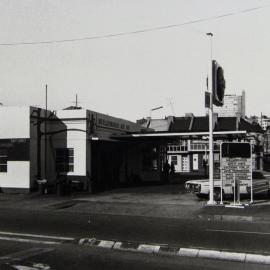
(174, 160)
(65, 160)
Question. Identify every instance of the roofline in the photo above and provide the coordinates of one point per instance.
(184, 134)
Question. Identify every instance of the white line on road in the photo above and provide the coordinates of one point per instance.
(243, 232)
(25, 254)
(38, 236)
(24, 240)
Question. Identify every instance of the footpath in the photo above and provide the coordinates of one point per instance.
(164, 201)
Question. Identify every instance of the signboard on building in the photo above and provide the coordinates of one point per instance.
(235, 162)
(16, 149)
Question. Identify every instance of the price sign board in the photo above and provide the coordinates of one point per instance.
(235, 160)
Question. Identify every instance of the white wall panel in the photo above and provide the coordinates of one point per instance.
(17, 175)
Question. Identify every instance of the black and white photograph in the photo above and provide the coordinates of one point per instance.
(134, 134)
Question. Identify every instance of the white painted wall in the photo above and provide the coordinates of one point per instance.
(76, 139)
(15, 122)
(17, 176)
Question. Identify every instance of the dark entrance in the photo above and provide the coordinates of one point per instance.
(106, 164)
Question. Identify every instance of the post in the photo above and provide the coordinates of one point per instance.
(234, 189)
(221, 175)
(251, 187)
(45, 136)
(210, 116)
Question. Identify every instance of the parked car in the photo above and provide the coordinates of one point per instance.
(261, 185)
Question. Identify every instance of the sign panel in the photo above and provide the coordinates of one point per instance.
(234, 150)
(235, 160)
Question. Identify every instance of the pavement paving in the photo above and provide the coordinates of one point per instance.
(164, 201)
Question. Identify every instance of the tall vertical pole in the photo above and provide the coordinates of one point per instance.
(210, 116)
(251, 185)
(221, 174)
(45, 129)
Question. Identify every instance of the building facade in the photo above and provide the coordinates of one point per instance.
(190, 156)
(72, 144)
(234, 105)
(25, 154)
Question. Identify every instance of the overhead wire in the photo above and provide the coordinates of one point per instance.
(145, 30)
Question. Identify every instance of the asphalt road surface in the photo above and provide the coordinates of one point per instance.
(233, 236)
(49, 238)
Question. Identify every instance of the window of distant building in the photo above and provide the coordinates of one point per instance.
(197, 145)
(64, 159)
(3, 162)
(174, 160)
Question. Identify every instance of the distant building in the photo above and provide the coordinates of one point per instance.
(233, 106)
(156, 124)
(190, 156)
(263, 121)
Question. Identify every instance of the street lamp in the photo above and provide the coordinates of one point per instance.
(210, 116)
(155, 109)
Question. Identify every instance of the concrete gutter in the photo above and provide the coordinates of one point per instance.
(178, 251)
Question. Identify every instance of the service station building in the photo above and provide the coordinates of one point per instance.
(79, 145)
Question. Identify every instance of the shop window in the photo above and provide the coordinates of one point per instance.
(3, 163)
(64, 160)
(174, 160)
(216, 157)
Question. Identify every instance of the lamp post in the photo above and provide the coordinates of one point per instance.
(210, 116)
(155, 109)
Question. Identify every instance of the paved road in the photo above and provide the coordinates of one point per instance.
(25, 256)
(234, 236)
(56, 226)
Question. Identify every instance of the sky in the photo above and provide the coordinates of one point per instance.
(128, 75)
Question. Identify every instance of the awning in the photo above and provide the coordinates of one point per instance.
(163, 136)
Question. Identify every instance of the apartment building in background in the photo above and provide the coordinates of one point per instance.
(234, 105)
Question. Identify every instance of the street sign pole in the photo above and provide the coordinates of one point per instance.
(210, 116)
(251, 187)
(221, 174)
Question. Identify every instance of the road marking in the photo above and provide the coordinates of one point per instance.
(244, 232)
(38, 236)
(38, 266)
(24, 240)
(22, 255)
(21, 267)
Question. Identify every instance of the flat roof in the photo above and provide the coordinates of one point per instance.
(163, 136)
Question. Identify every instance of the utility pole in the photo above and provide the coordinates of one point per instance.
(210, 116)
(45, 128)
